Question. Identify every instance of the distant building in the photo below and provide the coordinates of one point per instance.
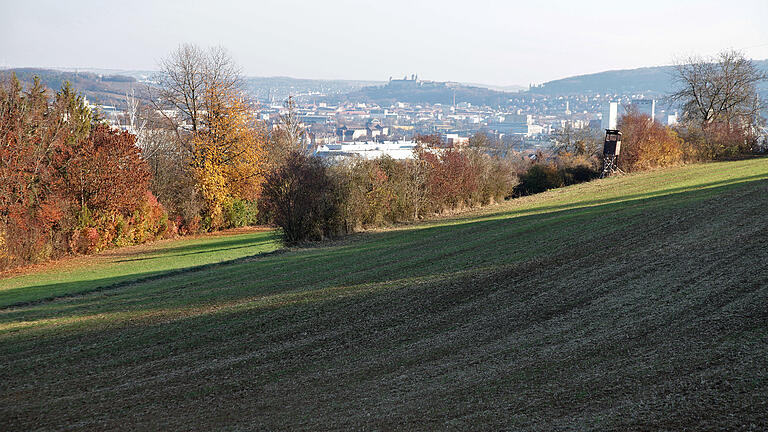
(377, 130)
(645, 107)
(347, 134)
(367, 150)
(671, 119)
(455, 140)
(596, 124)
(610, 115)
(514, 124)
(315, 119)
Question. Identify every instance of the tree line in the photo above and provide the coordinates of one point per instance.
(721, 118)
(69, 183)
(196, 159)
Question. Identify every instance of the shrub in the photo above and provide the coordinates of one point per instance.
(495, 176)
(406, 182)
(239, 212)
(366, 193)
(539, 178)
(452, 179)
(647, 144)
(579, 174)
(718, 140)
(301, 197)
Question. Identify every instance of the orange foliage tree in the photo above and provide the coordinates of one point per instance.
(105, 171)
(66, 183)
(647, 144)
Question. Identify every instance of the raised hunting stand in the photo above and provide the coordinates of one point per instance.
(611, 151)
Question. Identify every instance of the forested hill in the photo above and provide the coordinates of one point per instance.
(429, 92)
(279, 88)
(646, 80)
(98, 88)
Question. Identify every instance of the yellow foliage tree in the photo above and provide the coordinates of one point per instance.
(228, 153)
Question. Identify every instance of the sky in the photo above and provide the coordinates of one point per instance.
(477, 41)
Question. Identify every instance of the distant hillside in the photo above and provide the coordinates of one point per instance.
(422, 92)
(140, 75)
(98, 88)
(109, 87)
(279, 88)
(508, 88)
(646, 80)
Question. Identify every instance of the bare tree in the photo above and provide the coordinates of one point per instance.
(721, 89)
(186, 74)
(575, 141)
(290, 124)
(289, 135)
(221, 71)
(182, 84)
(135, 122)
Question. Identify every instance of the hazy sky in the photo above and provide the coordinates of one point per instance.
(494, 42)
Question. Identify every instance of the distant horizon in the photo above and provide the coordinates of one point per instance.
(505, 44)
(521, 86)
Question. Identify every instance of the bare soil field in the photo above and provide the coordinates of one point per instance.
(632, 303)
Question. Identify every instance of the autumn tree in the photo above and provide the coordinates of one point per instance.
(720, 102)
(33, 130)
(228, 156)
(104, 172)
(218, 155)
(647, 144)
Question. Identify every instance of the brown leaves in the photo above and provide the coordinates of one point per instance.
(56, 168)
(648, 144)
(105, 172)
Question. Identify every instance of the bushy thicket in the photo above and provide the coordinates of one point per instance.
(385, 191)
(718, 141)
(69, 184)
(647, 144)
(302, 197)
(311, 200)
(541, 177)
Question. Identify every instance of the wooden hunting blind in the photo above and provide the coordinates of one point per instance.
(611, 151)
(612, 144)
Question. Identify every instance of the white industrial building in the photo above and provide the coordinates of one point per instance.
(368, 150)
(671, 119)
(610, 115)
(645, 107)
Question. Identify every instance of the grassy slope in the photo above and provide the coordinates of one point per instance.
(518, 316)
(118, 266)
